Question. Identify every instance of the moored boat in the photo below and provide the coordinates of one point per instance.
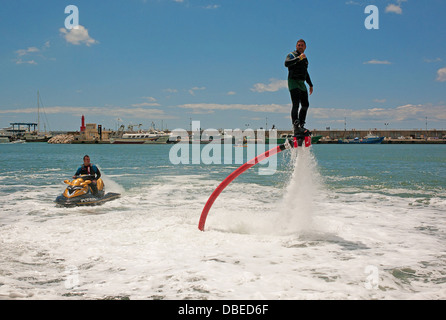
(151, 137)
(37, 135)
(368, 139)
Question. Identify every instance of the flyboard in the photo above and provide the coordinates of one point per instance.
(295, 142)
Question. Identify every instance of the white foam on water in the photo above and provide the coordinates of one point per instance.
(112, 186)
(298, 241)
(297, 207)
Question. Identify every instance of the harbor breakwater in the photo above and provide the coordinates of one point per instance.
(433, 136)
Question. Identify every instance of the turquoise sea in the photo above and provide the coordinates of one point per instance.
(329, 222)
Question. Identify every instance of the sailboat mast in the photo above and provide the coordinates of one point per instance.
(38, 111)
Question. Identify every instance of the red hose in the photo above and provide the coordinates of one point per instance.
(231, 177)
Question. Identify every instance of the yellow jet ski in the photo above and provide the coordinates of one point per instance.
(80, 193)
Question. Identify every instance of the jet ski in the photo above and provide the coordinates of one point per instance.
(79, 193)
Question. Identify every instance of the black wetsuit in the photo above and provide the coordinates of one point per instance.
(91, 170)
(297, 76)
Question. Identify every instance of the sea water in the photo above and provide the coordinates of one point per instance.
(333, 222)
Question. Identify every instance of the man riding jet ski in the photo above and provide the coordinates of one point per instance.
(86, 188)
(91, 170)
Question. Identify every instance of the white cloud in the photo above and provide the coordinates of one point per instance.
(151, 103)
(136, 112)
(441, 74)
(212, 6)
(403, 113)
(374, 61)
(207, 107)
(23, 55)
(78, 36)
(408, 112)
(395, 8)
(20, 61)
(23, 52)
(192, 90)
(146, 104)
(432, 60)
(231, 93)
(273, 86)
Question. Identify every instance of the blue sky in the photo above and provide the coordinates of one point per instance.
(221, 62)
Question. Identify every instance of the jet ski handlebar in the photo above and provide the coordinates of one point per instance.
(86, 177)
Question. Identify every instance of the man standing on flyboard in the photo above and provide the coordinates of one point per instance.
(297, 64)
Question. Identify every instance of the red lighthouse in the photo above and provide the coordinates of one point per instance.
(83, 124)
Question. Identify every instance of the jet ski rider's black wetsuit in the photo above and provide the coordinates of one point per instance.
(90, 170)
(297, 76)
